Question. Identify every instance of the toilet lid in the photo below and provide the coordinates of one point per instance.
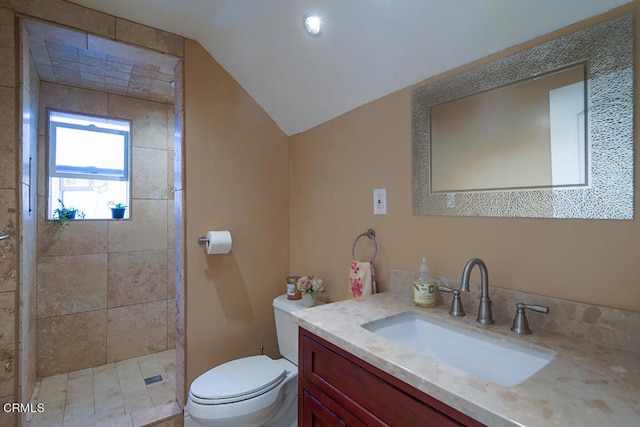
(238, 379)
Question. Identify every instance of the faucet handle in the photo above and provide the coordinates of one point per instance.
(539, 308)
(520, 323)
(456, 305)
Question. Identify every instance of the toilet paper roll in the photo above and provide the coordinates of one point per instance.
(219, 242)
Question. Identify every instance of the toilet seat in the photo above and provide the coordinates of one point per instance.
(237, 380)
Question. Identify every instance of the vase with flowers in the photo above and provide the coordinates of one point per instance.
(309, 286)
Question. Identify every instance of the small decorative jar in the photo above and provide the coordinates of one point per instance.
(292, 292)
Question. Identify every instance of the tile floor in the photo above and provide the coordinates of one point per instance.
(109, 395)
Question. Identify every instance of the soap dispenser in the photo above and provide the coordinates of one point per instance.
(424, 289)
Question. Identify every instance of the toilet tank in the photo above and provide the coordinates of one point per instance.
(286, 329)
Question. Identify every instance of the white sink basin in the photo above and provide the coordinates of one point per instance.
(490, 358)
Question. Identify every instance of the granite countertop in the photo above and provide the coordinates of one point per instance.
(584, 385)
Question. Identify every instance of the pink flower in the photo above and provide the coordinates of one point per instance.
(303, 284)
(309, 284)
(356, 287)
(354, 267)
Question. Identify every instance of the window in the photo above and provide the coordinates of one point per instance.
(88, 163)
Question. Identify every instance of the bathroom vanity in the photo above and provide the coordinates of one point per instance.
(351, 376)
(338, 388)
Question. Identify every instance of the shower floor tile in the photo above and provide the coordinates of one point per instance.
(114, 394)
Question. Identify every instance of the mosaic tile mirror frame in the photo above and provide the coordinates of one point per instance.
(606, 49)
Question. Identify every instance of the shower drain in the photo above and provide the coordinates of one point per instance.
(152, 380)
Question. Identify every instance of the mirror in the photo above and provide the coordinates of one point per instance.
(546, 132)
(537, 143)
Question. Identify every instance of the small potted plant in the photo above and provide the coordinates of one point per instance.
(64, 215)
(117, 209)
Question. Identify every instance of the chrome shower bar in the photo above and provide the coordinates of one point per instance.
(6, 236)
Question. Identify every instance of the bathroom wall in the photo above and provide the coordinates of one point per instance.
(343, 160)
(106, 289)
(9, 187)
(236, 178)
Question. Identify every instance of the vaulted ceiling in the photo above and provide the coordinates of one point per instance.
(368, 48)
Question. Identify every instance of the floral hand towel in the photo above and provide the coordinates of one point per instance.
(362, 280)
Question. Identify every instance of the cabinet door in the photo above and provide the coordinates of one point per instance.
(317, 414)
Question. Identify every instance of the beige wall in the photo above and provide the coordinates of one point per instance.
(336, 165)
(106, 289)
(236, 178)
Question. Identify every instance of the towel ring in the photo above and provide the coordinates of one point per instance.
(371, 234)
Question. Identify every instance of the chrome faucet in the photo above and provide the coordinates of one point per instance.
(485, 315)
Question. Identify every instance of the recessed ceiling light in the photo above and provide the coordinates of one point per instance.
(313, 25)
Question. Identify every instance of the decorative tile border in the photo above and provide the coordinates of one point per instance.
(600, 325)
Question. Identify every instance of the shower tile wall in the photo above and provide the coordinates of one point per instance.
(8, 216)
(105, 290)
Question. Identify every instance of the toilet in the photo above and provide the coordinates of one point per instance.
(255, 390)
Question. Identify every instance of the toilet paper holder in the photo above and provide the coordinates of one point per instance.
(216, 242)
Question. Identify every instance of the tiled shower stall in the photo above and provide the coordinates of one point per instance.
(99, 298)
(106, 288)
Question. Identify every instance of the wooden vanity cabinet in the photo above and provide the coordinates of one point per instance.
(338, 389)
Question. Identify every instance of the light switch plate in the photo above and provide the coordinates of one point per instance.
(380, 201)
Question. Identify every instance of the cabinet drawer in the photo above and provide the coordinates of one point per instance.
(372, 395)
(318, 410)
